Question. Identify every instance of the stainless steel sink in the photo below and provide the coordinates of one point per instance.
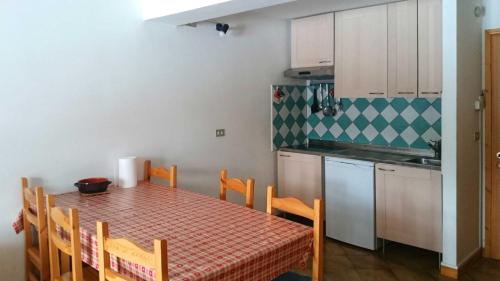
(426, 161)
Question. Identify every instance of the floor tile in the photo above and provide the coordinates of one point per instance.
(342, 275)
(399, 263)
(411, 275)
(368, 262)
(376, 275)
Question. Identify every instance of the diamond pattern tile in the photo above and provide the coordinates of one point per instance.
(398, 122)
(290, 117)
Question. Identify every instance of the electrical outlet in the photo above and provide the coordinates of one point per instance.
(220, 132)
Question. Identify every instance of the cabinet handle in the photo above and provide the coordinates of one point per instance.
(376, 93)
(387, 170)
(281, 155)
(325, 61)
(406, 93)
(430, 93)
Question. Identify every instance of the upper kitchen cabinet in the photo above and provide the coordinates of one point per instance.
(430, 69)
(402, 49)
(361, 52)
(312, 41)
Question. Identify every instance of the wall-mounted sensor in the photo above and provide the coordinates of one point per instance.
(222, 28)
(479, 11)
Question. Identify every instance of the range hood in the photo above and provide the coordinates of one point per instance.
(311, 73)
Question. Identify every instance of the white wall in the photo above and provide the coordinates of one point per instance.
(492, 15)
(468, 123)
(462, 79)
(449, 133)
(84, 82)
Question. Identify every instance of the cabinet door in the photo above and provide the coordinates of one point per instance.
(361, 52)
(402, 49)
(312, 41)
(430, 44)
(300, 176)
(409, 206)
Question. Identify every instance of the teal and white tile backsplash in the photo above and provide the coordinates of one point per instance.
(289, 116)
(395, 122)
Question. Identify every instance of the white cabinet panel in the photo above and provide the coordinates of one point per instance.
(402, 49)
(300, 176)
(312, 41)
(430, 44)
(409, 206)
(361, 52)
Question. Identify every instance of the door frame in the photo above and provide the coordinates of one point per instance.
(489, 165)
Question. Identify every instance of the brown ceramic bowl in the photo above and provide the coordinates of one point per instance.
(93, 185)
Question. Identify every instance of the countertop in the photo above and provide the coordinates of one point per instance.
(364, 152)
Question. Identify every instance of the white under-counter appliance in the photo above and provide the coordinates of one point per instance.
(350, 201)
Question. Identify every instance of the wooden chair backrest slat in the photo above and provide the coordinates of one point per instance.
(30, 196)
(129, 251)
(71, 224)
(59, 218)
(293, 206)
(316, 214)
(169, 175)
(31, 218)
(61, 244)
(235, 184)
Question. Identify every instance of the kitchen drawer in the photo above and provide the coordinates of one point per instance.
(403, 171)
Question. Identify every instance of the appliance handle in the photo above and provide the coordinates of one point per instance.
(387, 170)
(351, 164)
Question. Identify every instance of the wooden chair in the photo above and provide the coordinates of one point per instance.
(297, 207)
(237, 185)
(126, 250)
(36, 254)
(71, 224)
(167, 174)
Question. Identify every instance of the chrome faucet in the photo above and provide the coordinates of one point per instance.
(436, 146)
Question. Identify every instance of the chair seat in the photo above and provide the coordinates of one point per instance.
(291, 276)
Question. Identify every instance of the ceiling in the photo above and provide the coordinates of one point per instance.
(200, 10)
(278, 9)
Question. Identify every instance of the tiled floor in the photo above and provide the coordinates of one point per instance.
(400, 263)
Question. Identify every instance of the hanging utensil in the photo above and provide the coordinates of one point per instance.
(329, 110)
(337, 106)
(315, 107)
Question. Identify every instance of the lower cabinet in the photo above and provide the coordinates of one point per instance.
(409, 206)
(300, 176)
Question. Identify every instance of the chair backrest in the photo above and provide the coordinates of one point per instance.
(316, 214)
(247, 189)
(129, 251)
(34, 216)
(160, 172)
(69, 224)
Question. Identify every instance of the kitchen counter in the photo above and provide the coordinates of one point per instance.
(365, 152)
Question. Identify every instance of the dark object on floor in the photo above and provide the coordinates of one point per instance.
(291, 276)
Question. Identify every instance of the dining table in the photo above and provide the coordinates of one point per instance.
(208, 238)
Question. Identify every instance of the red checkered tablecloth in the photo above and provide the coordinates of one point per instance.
(208, 239)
